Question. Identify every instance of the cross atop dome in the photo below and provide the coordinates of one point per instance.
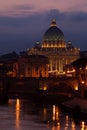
(53, 23)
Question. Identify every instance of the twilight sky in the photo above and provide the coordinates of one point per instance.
(23, 22)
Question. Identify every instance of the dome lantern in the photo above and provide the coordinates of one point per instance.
(53, 23)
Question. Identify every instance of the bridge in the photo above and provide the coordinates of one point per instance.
(12, 87)
(71, 82)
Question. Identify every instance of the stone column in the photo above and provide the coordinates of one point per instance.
(56, 64)
(51, 65)
(60, 66)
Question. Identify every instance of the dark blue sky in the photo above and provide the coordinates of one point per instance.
(23, 27)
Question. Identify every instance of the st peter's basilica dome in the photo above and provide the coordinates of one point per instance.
(53, 37)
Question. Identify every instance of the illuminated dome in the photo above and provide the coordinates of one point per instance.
(53, 37)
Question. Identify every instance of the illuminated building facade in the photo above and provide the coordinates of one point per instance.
(31, 66)
(56, 49)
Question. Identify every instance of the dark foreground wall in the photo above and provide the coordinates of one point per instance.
(11, 87)
(24, 85)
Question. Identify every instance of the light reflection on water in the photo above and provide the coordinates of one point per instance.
(26, 115)
(17, 113)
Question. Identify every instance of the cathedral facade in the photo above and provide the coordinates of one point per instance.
(54, 46)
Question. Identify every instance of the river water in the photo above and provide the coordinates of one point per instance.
(27, 115)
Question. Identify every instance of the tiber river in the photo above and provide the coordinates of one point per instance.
(27, 115)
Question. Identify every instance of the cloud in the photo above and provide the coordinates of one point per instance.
(54, 13)
(24, 7)
(32, 22)
(17, 8)
(20, 10)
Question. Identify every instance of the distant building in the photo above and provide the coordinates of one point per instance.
(13, 65)
(6, 64)
(80, 66)
(31, 66)
(56, 49)
(50, 58)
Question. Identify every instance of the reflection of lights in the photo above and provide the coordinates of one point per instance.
(53, 128)
(82, 125)
(44, 113)
(67, 124)
(67, 118)
(57, 115)
(53, 112)
(17, 112)
(17, 105)
(56, 127)
(73, 125)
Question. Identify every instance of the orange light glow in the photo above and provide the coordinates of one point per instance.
(73, 125)
(17, 112)
(83, 82)
(86, 67)
(67, 122)
(76, 88)
(82, 125)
